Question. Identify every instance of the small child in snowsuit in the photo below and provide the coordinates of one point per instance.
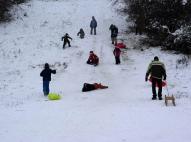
(117, 53)
(93, 59)
(81, 33)
(66, 38)
(46, 74)
(94, 86)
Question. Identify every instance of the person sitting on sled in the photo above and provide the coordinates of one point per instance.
(94, 86)
(81, 33)
(158, 73)
(93, 59)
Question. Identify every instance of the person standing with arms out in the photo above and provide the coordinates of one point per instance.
(117, 53)
(66, 38)
(158, 73)
(93, 25)
(114, 33)
(46, 75)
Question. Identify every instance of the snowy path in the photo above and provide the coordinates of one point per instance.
(124, 112)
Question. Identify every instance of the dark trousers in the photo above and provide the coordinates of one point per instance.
(95, 63)
(81, 36)
(114, 40)
(66, 42)
(117, 60)
(158, 82)
(93, 29)
(46, 87)
(89, 62)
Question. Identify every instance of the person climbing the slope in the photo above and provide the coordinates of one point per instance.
(117, 53)
(158, 73)
(81, 33)
(114, 33)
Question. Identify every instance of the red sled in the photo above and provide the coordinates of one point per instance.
(163, 82)
(120, 45)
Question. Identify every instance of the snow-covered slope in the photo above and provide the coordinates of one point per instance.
(123, 112)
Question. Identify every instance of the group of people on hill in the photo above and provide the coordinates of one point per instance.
(93, 58)
(156, 69)
(93, 25)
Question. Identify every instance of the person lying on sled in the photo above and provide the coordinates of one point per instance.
(94, 86)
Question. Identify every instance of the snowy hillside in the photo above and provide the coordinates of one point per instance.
(122, 113)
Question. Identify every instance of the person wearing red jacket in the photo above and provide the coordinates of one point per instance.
(93, 59)
(117, 53)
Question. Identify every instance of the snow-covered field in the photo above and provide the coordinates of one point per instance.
(122, 113)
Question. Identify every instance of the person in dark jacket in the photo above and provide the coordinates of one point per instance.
(117, 53)
(46, 75)
(158, 73)
(81, 33)
(94, 86)
(114, 33)
(93, 59)
(93, 25)
(66, 38)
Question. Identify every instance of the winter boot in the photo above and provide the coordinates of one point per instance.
(160, 98)
(154, 98)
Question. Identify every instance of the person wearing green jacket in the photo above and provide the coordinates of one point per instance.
(157, 71)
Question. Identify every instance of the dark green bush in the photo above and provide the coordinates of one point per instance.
(159, 19)
(5, 5)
